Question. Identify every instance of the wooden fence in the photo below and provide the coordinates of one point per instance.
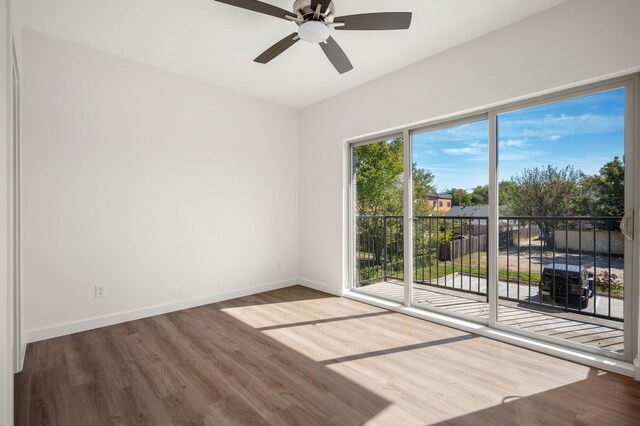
(461, 247)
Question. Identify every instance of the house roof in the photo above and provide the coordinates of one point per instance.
(469, 211)
(443, 196)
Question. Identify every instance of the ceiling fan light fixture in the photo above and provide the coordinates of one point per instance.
(314, 32)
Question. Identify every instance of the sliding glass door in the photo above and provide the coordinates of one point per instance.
(518, 217)
(561, 259)
(378, 194)
(450, 217)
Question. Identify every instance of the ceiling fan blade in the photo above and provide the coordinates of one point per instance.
(260, 7)
(375, 21)
(324, 3)
(336, 55)
(277, 49)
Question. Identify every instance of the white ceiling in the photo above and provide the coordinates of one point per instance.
(217, 43)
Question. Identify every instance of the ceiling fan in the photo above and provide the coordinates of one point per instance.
(315, 20)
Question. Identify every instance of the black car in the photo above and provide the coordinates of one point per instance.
(555, 279)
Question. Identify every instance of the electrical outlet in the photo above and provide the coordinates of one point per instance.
(101, 291)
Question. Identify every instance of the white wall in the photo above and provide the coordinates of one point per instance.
(576, 41)
(169, 191)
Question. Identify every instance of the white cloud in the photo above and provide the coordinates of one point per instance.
(553, 127)
(518, 143)
(473, 148)
(461, 133)
(462, 151)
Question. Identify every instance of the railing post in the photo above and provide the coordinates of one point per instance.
(384, 244)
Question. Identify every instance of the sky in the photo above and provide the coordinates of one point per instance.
(585, 132)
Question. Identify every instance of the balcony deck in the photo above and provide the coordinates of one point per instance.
(590, 331)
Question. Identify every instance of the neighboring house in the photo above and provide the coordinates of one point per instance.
(469, 211)
(475, 211)
(510, 232)
(440, 203)
(473, 227)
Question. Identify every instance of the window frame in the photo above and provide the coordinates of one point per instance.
(631, 83)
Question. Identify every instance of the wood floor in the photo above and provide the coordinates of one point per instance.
(594, 332)
(299, 357)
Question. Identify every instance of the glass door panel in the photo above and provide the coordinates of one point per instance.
(450, 211)
(378, 196)
(561, 267)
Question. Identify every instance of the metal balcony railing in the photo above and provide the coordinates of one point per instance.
(575, 264)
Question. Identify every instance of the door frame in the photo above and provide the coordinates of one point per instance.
(632, 184)
(16, 211)
(631, 302)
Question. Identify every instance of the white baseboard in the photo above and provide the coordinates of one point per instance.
(325, 288)
(23, 353)
(120, 317)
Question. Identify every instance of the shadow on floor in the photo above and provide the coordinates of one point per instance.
(607, 399)
(295, 293)
(197, 366)
(325, 320)
(398, 349)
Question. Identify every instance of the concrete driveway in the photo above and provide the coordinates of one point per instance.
(604, 305)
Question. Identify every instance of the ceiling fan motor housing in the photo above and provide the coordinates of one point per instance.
(304, 11)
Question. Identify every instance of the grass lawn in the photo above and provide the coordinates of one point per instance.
(472, 265)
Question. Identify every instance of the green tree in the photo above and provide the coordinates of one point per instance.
(460, 197)
(378, 168)
(379, 192)
(480, 195)
(505, 191)
(543, 192)
(610, 189)
(379, 180)
(422, 186)
(586, 201)
(602, 194)
(547, 191)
